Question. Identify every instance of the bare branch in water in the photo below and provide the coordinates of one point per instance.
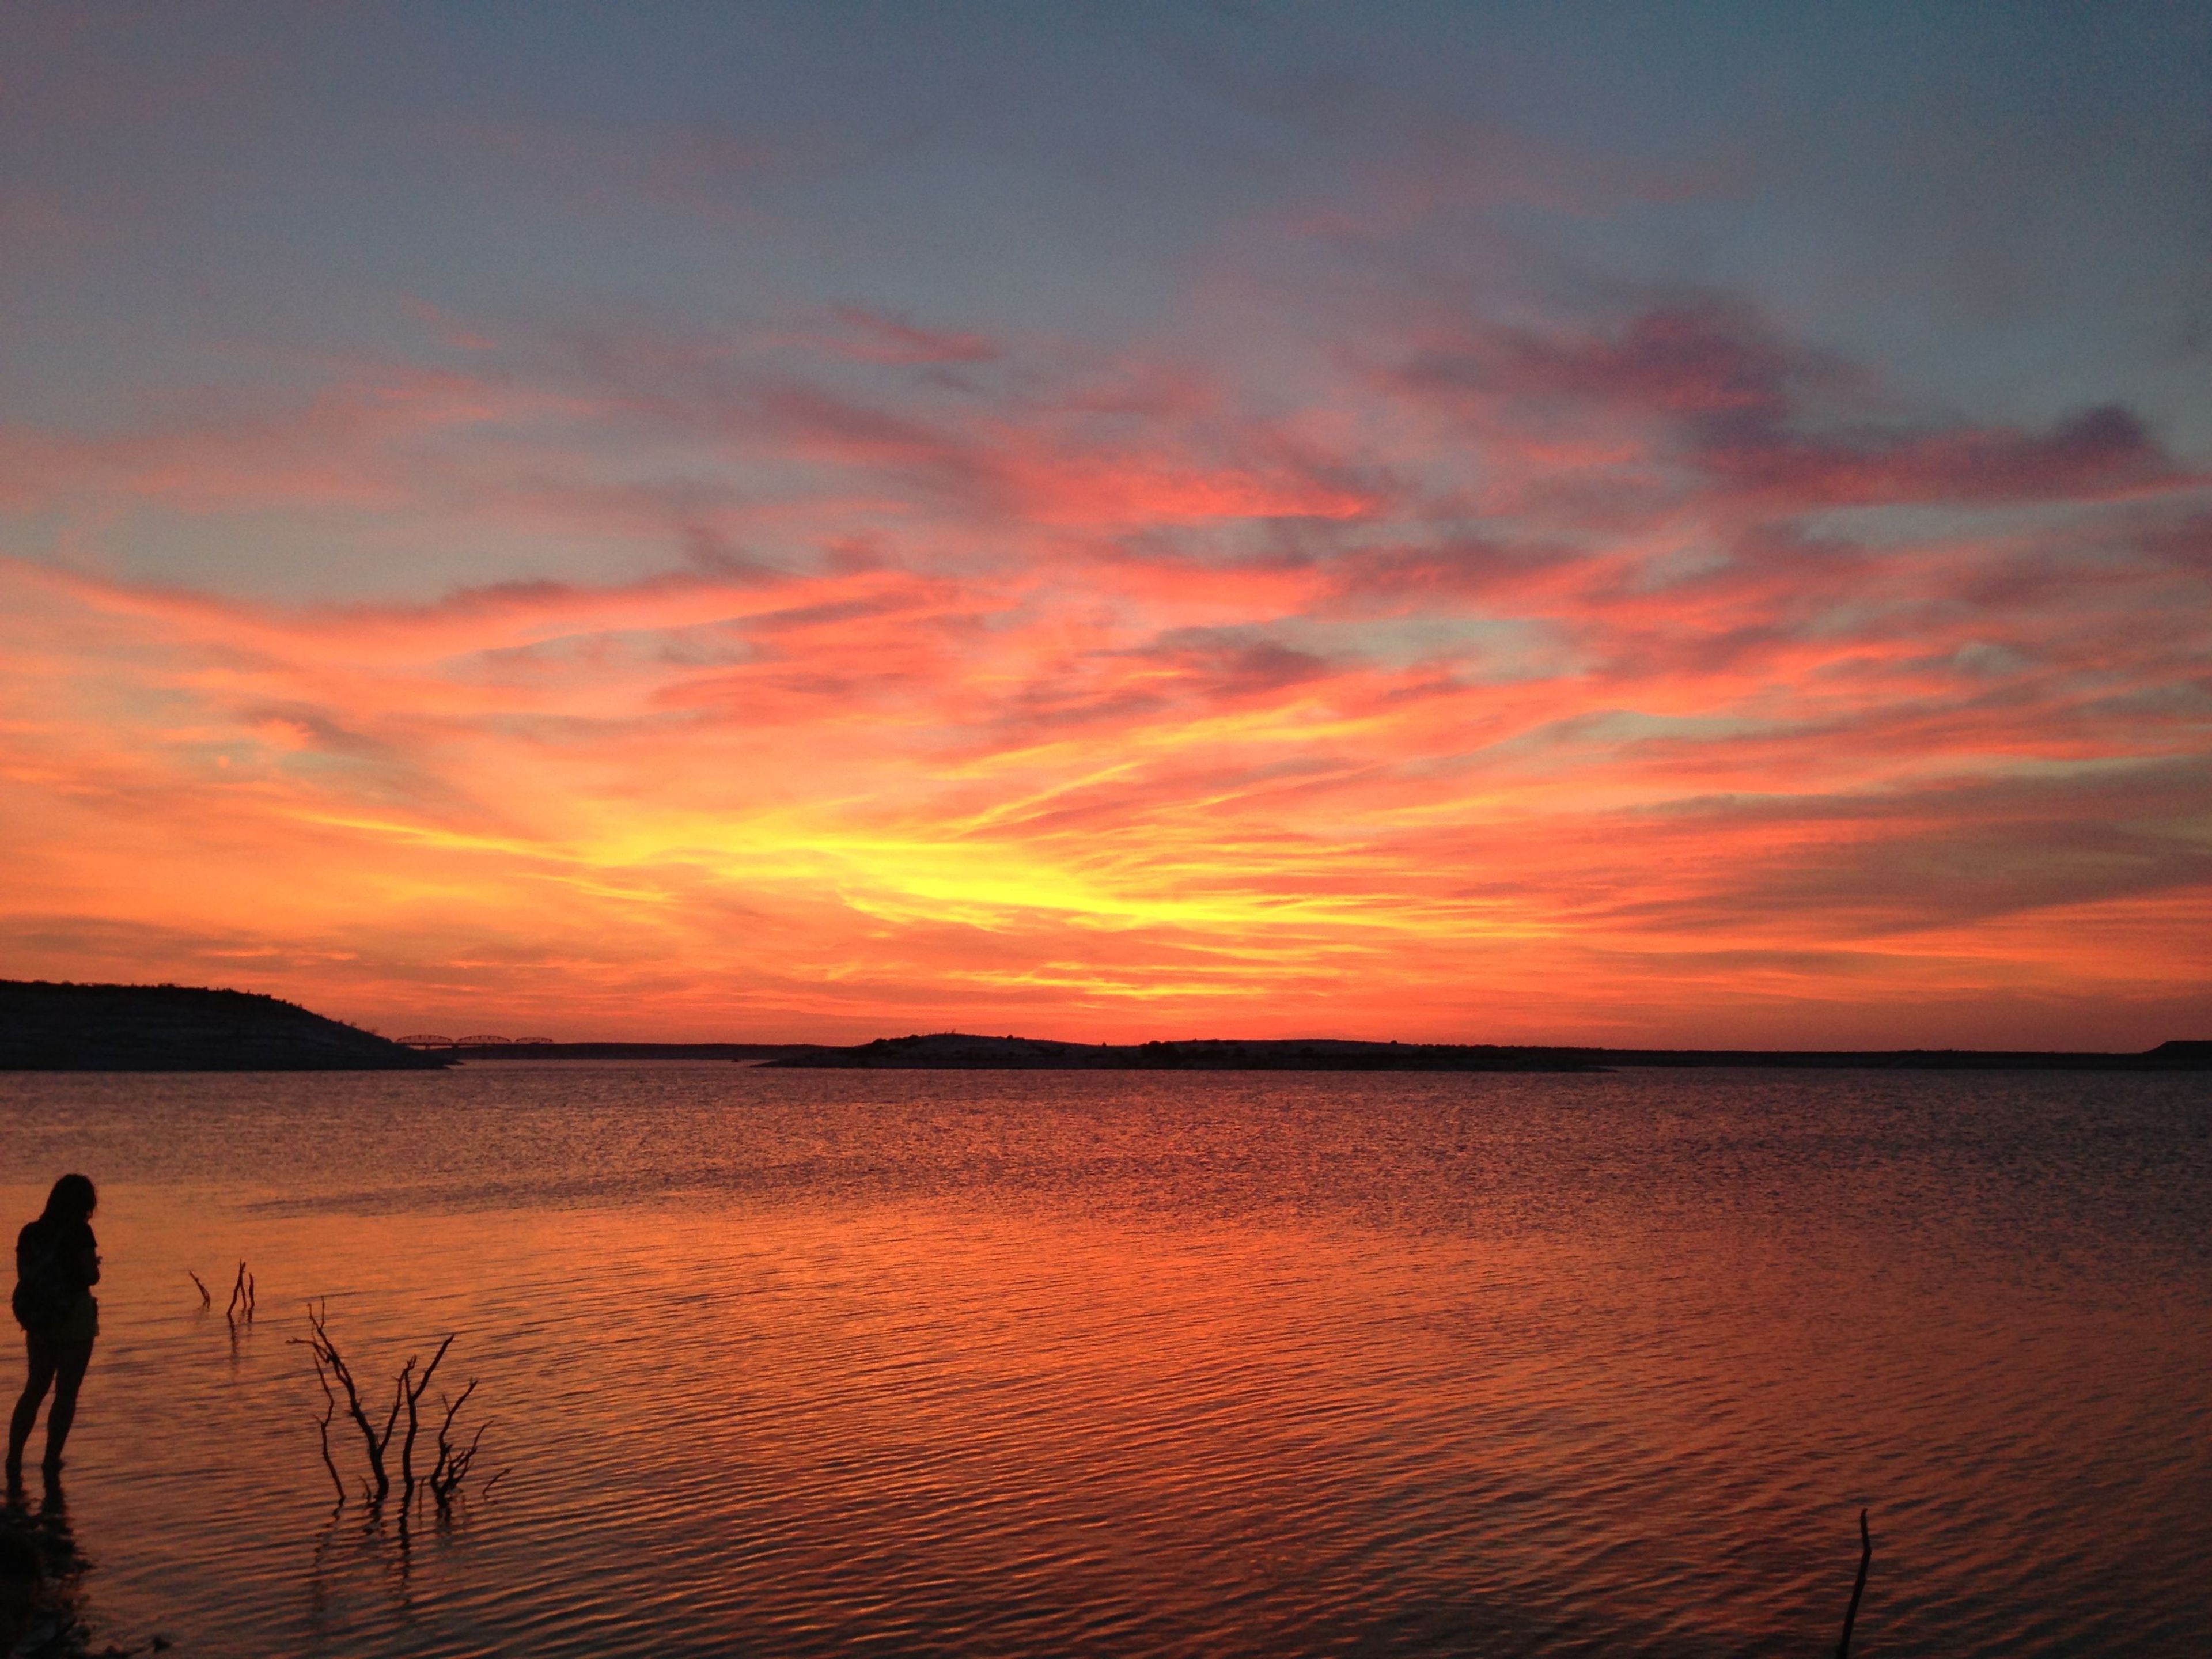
(1850, 1618)
(330, 1410)
(241, 1307)
(326, 1353)
(455, 1460)
(413, 1401)
(206, 1301)
(391, 1417)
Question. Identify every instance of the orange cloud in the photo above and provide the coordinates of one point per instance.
(1650, 684)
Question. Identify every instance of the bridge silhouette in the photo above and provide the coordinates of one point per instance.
(480, 1040)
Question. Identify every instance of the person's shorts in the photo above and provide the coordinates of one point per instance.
(82, 1325)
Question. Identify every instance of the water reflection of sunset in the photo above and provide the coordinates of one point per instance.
(1200, 1365)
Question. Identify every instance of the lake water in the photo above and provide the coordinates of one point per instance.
(794, 1363)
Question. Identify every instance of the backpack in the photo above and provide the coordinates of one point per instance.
(45, 1289)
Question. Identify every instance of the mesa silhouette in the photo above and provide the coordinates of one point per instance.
(63, 1027)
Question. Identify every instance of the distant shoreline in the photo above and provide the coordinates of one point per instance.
(952, 1051)
(957, 1051)
(47, 1026)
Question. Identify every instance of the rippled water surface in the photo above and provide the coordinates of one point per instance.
(792, 1363)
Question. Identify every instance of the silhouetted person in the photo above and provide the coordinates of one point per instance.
(57, 1264)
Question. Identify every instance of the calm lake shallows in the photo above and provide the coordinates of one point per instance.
(967, 1363)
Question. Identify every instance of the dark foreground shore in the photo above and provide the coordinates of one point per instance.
(39, 1617)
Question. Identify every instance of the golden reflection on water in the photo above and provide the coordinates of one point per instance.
(927, 1413)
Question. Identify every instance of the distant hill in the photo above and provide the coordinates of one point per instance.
(47, 1027)
(952, 1050)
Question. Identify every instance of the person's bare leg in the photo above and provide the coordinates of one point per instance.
(41, 1355)
(70, 1361)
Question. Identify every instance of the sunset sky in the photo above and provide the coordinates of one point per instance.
(1611, 524)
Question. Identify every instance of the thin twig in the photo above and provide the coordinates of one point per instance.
(453, 1461)
(1850, 1618)
(391, 1417)
(242, 1299)
(414, 1400)
(206, 1301)
(330, 1410)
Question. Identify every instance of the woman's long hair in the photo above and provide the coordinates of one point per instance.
(72, 1200)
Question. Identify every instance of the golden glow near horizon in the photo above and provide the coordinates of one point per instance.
(825, 801)
(1332, 624)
